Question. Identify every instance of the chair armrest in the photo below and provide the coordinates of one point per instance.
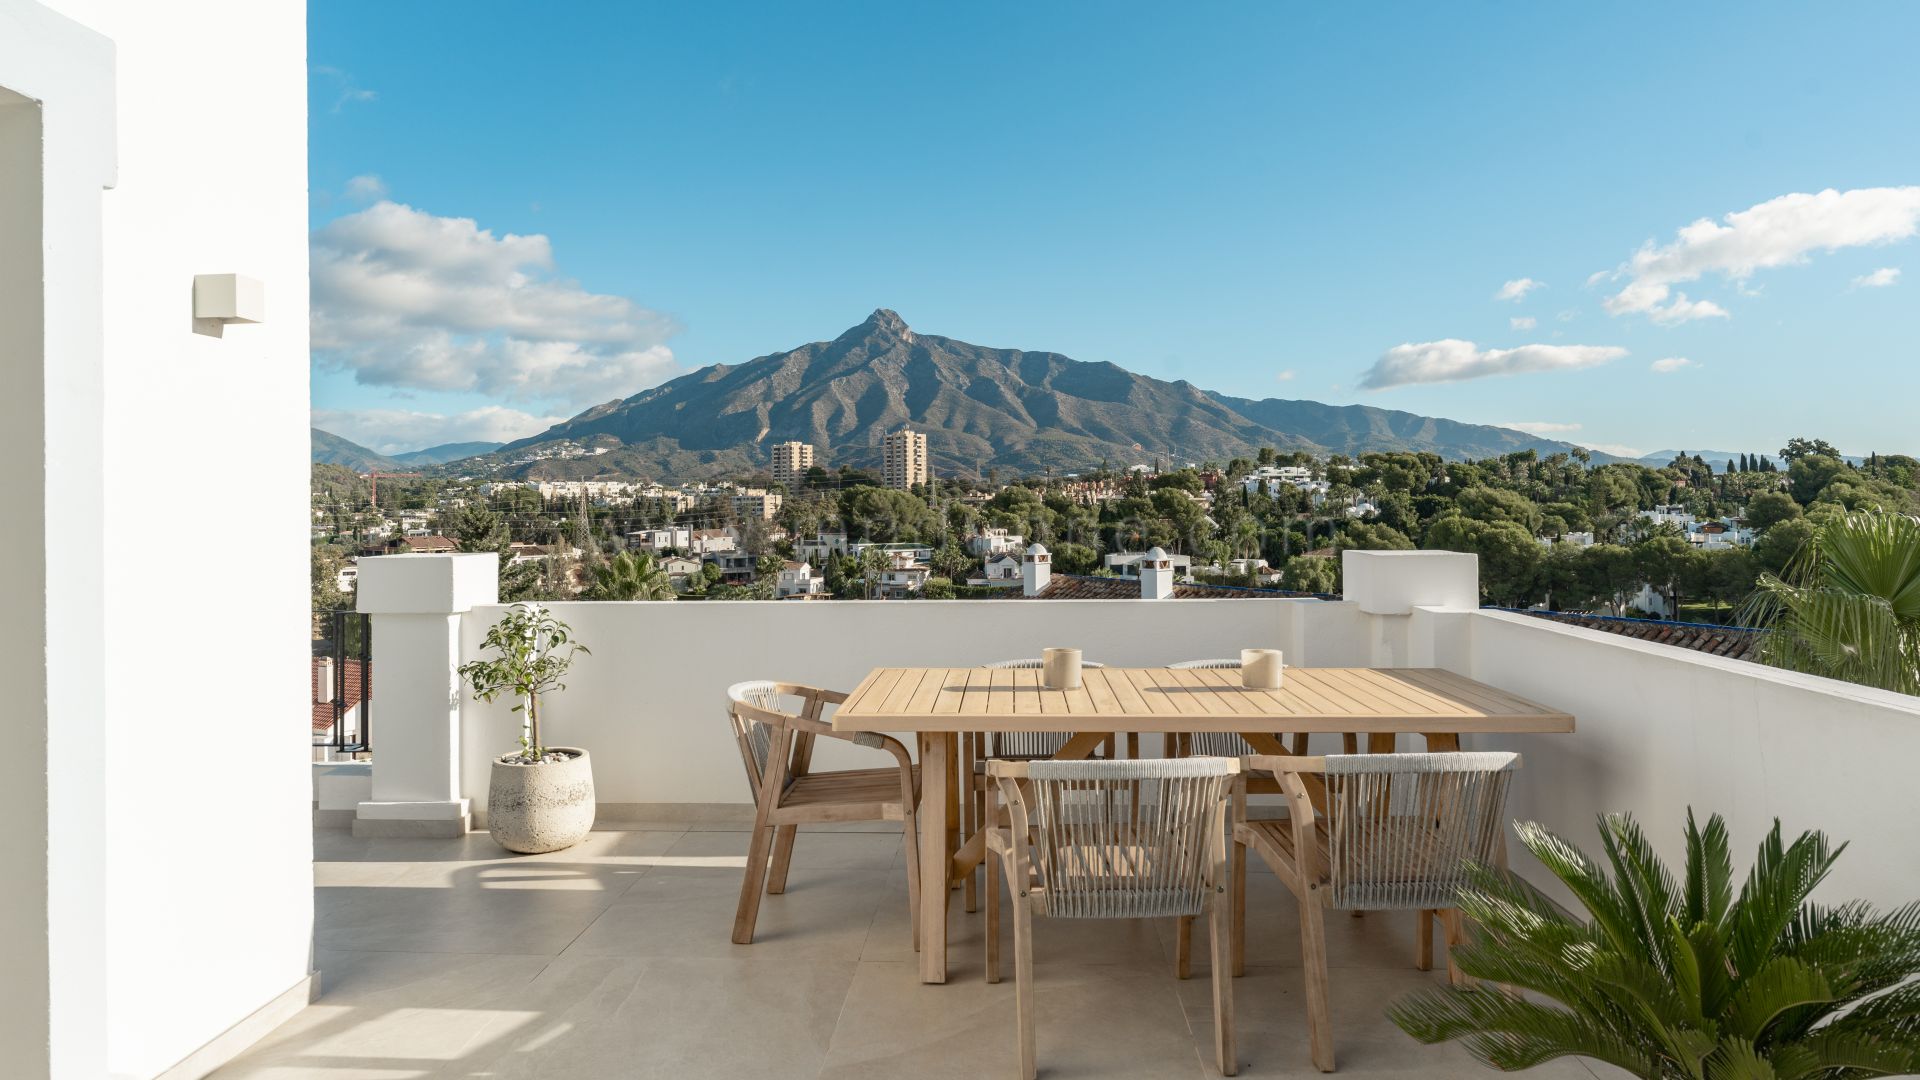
(872, 739)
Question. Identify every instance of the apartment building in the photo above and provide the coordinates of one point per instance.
(791, 460)
(904, 459)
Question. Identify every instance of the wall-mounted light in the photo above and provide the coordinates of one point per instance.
(219, 299)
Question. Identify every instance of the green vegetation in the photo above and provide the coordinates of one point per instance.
(1682, 979)
(532, 652)
(1848, 605)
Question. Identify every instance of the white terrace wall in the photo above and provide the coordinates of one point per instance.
(1662, 729)
(1659, 729)
(650, 702)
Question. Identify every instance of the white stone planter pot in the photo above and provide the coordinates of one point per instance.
(536, 808)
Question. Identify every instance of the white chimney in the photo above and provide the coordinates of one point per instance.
(1036, 569)
(1156, 576)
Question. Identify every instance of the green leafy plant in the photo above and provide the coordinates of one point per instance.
(533, 651)
(1848, 606)
(631, 575)
(1682, 979)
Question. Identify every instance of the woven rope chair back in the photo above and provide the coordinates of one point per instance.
(1403, 827)
(755, 738)
(1127, 839)
(1028, 744)
(1216, 743)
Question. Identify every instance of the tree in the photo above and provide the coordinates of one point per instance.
(1310, 574)
(533, 651)
(1848, 606)
(1801, 448)
(1509, 554)
(1680, 979)
(1810, 474)
(631, 575)
(1770, 508)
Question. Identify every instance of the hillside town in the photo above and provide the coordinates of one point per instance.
(1683, 542)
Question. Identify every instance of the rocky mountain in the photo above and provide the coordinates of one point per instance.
(980, 407)
(331, 449)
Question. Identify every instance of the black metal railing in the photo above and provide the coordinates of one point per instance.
(349, 647)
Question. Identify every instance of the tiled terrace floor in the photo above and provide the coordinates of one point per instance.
(449, 958)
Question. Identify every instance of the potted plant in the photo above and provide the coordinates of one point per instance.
(540, 797)
(1681, 978)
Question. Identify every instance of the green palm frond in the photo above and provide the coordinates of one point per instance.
(1848, 605)
(1681, 978)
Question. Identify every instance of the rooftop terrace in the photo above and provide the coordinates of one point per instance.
(450, 958)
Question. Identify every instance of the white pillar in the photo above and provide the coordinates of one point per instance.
(416, 602)
(1036, 570)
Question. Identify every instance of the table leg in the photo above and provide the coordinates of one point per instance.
(936, 852)
(1380, 742)
(1439, 742)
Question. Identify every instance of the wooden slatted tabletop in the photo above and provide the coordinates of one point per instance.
(1189, 699)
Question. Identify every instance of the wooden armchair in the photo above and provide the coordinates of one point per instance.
(1111, 840)
(1398, 833)
(776, 747)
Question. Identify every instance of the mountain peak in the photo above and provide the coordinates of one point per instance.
(885, 324)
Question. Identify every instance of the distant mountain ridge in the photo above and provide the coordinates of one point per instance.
(331, 449)
(980, 407)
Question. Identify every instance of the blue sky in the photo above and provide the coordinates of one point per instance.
(1268, 201)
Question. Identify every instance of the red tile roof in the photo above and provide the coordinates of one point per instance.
(1077, 587)
(323, 710)
(1735, 642)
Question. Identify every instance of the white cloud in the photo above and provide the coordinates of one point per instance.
(405, 298)
(1879, 279)
(349, 91)
(1285, 376)
(1661, 304)
(1452, 360)
(1669, 364)
(1522, 322)
(1616, 449)
(366, 188)
(1779, 232)
(1518, 288)
(1540, 427)
(394, 431)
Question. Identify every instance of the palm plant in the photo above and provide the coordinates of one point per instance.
(631, 575)
(1682, 980)
(1848, 606)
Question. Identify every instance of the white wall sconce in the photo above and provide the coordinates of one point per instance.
(219, 299)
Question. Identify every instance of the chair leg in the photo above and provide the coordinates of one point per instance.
(1183, 947)
(1313, 955)
(992, 867)
(911, 825)
(783, 838)
(749, 910)
(1299, 744)
(1456, 928)
(1219, 922)
(1023, 981)
(1239, 938)
(1423, 946)
(970, 824)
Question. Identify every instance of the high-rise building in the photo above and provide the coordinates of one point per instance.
(904, 459)
(791, 460)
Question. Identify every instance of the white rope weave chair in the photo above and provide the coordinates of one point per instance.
(776, 747)
(1399, 832)
(1112, 840)
(979, 746)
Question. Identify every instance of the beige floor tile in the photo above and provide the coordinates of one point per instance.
(893, 1026)
(689, 913)
(455, 920)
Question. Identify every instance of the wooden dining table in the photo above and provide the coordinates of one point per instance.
(939, 704)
